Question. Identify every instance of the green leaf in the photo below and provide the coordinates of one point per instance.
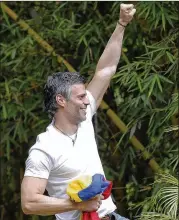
(168, 18)
(165, 79)
(4, 111)
(159, 84)
(163, 21)
(13, 54)
(153, 10)
(152, 84)
(157, 21)
(139, 84)
(7, 89)
(170, 57)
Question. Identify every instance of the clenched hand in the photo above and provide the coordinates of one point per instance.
(90, 205)
(127, 12)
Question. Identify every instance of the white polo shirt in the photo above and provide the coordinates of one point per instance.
(54, 157)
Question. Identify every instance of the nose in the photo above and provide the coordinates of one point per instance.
(86, 101)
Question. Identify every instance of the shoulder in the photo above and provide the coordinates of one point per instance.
(47, 142)
(42, 142)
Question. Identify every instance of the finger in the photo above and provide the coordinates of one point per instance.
(99, 206)
(132, 12)
(127, 6)
(97, 198)
(101, 197)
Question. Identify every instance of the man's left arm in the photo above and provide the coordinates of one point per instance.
(108, 61)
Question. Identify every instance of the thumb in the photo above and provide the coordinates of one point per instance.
(132, 12)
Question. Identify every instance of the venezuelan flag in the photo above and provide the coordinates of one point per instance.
(85, 188)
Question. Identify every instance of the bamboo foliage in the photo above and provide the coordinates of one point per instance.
(143, 92)
(164, 203)
(117, 121)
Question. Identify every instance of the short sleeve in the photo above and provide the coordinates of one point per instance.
(92, 106)
(38, 164)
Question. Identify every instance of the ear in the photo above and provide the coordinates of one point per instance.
(60, 100)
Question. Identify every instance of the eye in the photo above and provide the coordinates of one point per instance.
(82, 96)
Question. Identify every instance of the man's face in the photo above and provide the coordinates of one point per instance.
(75, 107)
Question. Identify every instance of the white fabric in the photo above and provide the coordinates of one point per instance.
(54, 157)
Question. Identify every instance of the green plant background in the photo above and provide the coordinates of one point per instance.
(144, 93)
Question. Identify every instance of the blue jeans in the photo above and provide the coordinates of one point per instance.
(115, 216)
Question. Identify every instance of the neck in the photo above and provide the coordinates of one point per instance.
(65, 125)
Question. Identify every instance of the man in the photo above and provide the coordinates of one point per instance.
(68, 149)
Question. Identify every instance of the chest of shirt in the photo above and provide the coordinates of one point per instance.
(73, 160)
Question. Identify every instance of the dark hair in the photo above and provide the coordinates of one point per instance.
(59, 83)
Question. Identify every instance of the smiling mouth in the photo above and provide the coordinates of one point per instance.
(84, 109)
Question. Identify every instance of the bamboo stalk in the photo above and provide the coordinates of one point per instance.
(135, 142)
(114, 117)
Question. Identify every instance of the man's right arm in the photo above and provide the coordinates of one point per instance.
(34, 202)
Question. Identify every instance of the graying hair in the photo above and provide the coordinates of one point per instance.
(59, 83)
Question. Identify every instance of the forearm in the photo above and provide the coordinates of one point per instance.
(111, 55)
(45, 205)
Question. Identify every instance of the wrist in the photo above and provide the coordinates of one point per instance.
(72, 205)
(78, 206)
(122, 23)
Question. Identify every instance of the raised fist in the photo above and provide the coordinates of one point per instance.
(90, 205)
(127, 12)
